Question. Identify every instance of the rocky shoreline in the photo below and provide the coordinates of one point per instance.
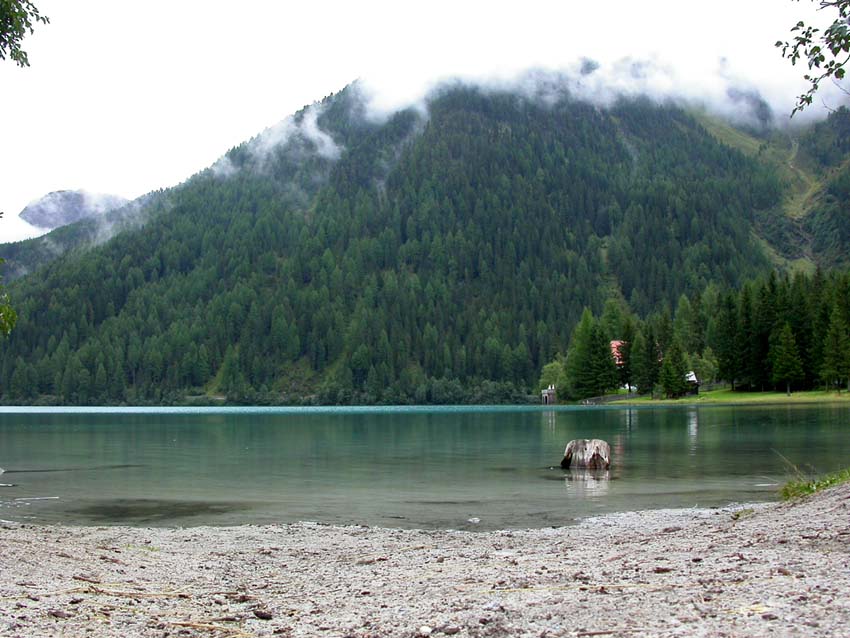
(765, 570)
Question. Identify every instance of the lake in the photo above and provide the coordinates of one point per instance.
(458, 468)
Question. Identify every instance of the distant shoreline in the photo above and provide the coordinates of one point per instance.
(745, 571)
(727, 397)
(716, 397)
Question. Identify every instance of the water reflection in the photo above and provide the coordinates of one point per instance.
(618, 450)
(585, 484)
(693, 430)
(629, 419)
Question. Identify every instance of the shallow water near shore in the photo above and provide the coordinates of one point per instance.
(460, 468)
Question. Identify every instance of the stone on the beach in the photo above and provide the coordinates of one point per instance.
(591, 454)
(58, 613)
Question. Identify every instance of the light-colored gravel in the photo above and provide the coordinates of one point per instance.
(768, 570)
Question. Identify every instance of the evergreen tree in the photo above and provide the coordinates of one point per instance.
(613, 318)
(747, 351)
(101, 383)
(687, 327)
(673, 371)
(8, 316)
(786, 365)
(836, 352)
(590, 368)
(579, 369)
(645, 361)
(604, 366)
(232, 380)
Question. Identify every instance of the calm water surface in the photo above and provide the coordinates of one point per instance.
(434, 468)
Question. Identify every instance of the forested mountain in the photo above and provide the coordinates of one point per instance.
(437, 256)
(27, 256)
(828, 221)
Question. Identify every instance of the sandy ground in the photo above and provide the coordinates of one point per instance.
(765, 570)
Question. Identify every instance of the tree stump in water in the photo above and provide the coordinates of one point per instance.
(591, 454)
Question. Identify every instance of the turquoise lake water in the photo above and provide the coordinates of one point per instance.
(459, 468)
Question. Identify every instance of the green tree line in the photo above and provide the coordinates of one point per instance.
(774, 332)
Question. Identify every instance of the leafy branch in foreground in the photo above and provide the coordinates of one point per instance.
(826, 52)
(17, 17)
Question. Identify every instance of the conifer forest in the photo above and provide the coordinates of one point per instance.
(470, 252)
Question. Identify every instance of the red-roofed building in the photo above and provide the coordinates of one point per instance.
(616, 344)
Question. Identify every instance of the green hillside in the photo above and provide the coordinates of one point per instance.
(811, 227)
(419, 259)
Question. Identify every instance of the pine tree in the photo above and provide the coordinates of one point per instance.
(579, 371)
(673, 371)
(726, 328)
(687, 327)
(232, 381)
(645, 361)
(602, 361)
(101, 383)
(785, 358)
(746, 343)
(590, 366)
(836, 352)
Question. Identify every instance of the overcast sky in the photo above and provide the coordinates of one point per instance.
(125, 97)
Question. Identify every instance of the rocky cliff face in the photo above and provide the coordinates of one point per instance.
(60, 208)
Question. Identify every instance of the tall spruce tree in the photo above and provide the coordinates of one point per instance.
(687, 327)
(590, 365)
(835, 368)
(645, 361)
(726, 329)
(746, 342)
(673, 371)
(786, 364)
(604, 366)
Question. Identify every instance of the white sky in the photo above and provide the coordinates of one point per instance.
(125, 96)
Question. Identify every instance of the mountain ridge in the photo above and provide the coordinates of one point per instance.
(63, 207)
(452, 252)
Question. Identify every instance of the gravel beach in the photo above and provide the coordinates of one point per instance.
(764, 570)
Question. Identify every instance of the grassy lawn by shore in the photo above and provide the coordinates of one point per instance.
(726, 396)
